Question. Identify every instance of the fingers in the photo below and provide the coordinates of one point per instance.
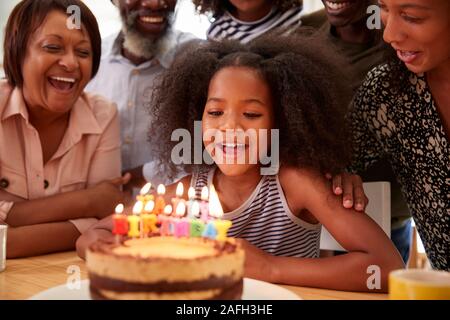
(358, 191)
(126, 178)
(347, 199)
(351, 188)
(121, 180)
(337, 184)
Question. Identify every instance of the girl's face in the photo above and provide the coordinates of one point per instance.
(419, 30)
(238, 109)
(57, 65)
(251, 10)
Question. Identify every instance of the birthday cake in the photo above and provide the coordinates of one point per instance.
(166, 268)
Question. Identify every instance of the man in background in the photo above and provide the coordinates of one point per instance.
(131, 61)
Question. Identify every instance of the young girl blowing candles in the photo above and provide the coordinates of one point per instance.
(272, 85)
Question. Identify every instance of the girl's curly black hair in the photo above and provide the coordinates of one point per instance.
(307, 89)
(218, 7)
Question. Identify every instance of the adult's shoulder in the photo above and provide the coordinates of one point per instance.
(103, 109)
(5, 93)
(376, 89)
(379, 75)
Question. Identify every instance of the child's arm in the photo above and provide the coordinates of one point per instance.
(41, 239)
(103, 228)
(365, 241)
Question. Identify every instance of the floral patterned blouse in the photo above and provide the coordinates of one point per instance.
(404, 125)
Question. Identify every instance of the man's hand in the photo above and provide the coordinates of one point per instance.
(350, 186)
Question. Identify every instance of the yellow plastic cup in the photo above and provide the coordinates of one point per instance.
(418, 284)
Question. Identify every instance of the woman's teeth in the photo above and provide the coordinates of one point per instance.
(407, 56)
(71, 80)
(337, 5)
(152, 19)
(62, 83)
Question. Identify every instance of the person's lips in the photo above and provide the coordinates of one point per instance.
(152, 19)
(407, 56)
(337, 7)
(230, 150)
(62, 84)
(152, 22)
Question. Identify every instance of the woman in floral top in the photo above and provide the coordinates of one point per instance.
(403, 111)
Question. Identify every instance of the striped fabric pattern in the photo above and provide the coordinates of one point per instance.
(228, 27)
(265, 220)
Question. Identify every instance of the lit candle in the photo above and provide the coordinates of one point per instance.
(160, 203)
(195, 209)
(204, 207)
(149, 219)
(210, 230)
(120, 222)
(178, 194)
(166, 221)
(181, 224)
(222, 227)
(197, 225)
(215, 210)
(149, 206)
(191, 196)
(143, 193)
(134, 219)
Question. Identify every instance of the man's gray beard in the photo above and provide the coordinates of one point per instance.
(139, 45)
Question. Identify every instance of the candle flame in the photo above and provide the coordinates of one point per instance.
(145, 189)
(191, 193)
(215, 208)
(161, 190)
(168, 210)
(204, 195)
(119, 208)
(181, 209)
(195, 209)
(138, 207)
(180, 190)
(149, 206)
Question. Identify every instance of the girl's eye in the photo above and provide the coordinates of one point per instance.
(215, 113)
(252, 115)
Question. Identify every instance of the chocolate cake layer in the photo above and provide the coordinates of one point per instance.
(233, 292)
(212, 282)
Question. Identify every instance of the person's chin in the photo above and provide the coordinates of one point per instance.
(59, 107)
(234, 170)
